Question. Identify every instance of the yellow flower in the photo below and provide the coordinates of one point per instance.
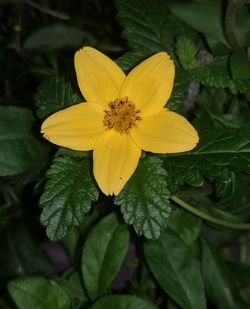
(122, 116)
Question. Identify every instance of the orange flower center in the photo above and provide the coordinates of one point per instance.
(122, 115)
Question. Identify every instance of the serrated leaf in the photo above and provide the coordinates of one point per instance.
(122, 301)
(186, 52)
(240, 65)
(144, 200)
(218, 151)
(176, 269)
(149, 26)
(54, 94)
(103, 254)
(54, 37)
(37, 292)
(129, 60)
(20, 150)
(68, 194)
(219, 282)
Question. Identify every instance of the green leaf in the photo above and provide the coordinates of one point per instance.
(145, 198)
(68, 194)
(186, 52)
(54, 37)
(185, 225)
(240, 65)
(20, 253)
(129, 60)
(122, 301)
(20, 151)
(219, 282)
(148, 25)
(218, 151)
(103, 254)
(176, 270)
(54, 94)
(37, 292)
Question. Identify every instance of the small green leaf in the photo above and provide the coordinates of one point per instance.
(54, 37)
(219, 282)
(122, 301)
(20, 151)
(186, 52)
(68, 194)
(145, 198)
(129, 60)
(37, 292)
(54, 94)
(176, 270)
(103, 254)
(240, 65)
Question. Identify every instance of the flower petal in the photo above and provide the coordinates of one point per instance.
(77, 127)
(115, 159)
(149, 85)
(165, 132)
(99, 78)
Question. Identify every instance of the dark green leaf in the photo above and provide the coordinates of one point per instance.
(122, 302)
(20, 254)
(186, 52)
(240, 65)
(144, 200)
(129, 60)
(68, 194)
(219, 282)
(54, 37)
(53, 95)
(176, 270)
(148, 25)
(20, 151)
(37, 292)
(103, 254)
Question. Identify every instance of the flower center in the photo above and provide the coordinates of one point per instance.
(122, 115)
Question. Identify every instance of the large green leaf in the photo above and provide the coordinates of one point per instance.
(144, 200)
(122, 301)
(176, 270)
(37, 292)
(21, 254)
(218, 151)
(67, 196)
(103, 254)
(20, 151)
(54, 94)
(148, 25)
(219, 282)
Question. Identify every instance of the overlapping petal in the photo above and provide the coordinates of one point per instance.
(115, 157)
(99, 78)
(165, 132)
(149, 85)
(77, 127)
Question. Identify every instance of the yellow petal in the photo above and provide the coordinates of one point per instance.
(149, 85)
(77, 127)
(99, 78)
(115, 159)
(165, 132)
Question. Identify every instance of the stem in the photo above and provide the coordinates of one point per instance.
(207, 217)
(232, 6)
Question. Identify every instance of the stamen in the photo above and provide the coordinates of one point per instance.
(122, 115)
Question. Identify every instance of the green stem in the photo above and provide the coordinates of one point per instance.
(232, 6)
(207, 217)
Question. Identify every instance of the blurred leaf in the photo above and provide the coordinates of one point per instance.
(103, 254)
(20, 254)
(20, 151)
(176, 270)
(37, 292)
(144, 200)
(68, 194)
(122, 301)
(54, 94)
(185, 225)
(58, 36)
(148, 25)
(240, 65)
(219, 282)
(186, 52)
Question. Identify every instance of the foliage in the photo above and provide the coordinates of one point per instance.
(177, 236)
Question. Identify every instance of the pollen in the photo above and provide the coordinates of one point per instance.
(121, 116)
